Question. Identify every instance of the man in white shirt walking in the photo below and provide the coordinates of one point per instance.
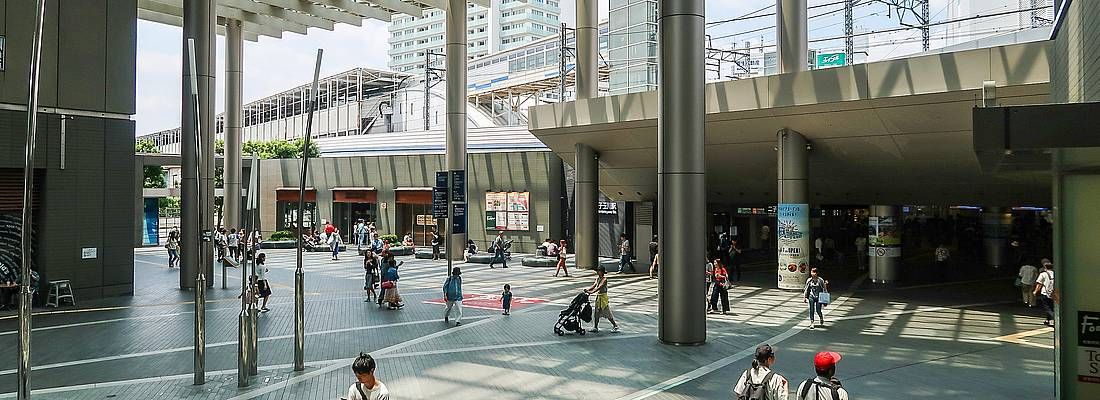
(1027, 275)
(1044, 287)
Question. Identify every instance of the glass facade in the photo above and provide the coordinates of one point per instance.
(632, 46)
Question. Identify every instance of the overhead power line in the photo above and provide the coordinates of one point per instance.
(751, 16)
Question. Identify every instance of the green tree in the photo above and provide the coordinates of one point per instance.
(154, 175)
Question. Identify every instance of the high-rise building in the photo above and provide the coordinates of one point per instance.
(972, 29)
(632, 46)
(504, 25)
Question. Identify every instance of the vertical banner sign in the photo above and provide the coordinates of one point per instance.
(458, 224)
(793, 245)
(150, 235)
(439, 202)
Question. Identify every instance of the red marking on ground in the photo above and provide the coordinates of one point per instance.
(489, 301)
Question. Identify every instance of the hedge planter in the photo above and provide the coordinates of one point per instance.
(279, 244)
(540, 261)
(485, 258)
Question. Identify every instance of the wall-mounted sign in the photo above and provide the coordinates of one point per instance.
(439, 202)
(507, 211)
(89, 253)
(607, 208)
(458, 186)
(458, 222)
(825, 60)
(496, 201)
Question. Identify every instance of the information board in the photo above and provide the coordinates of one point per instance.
(439, 202)
(458, 186)
(458, 220)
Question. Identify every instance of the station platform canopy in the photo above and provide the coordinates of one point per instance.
(272, 18)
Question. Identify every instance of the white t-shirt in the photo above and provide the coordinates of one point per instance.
(1027, 274)
(261, 272)
(777, 389)
(1046, 278)
(821, 392)
(379, 392)
(232, 239)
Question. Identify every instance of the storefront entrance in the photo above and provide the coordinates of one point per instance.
(349, 205)
(414, 214)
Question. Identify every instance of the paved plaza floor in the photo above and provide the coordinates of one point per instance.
(968, 340)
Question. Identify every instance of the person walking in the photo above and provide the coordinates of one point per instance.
(221, 243)
(562, 250)
(389, 282)
(173, 246)
(861, 252)
(760, 382)
(334, 243)
(603, 303)
(1026, 281)
(233, 242)
(452, 294)
(360, 234)
(242, 244)
(721, 290)
(724, 243)
(436, 242)
(498, 251)
(366, 386)
(370, 268)
(812, 295)
(1044, 289)
(653, 249)
(653, 267)
(624, 254)
(263, 287)
(735, 259)
(825, 385)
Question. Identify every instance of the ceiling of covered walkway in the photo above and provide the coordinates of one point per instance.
(890, 132)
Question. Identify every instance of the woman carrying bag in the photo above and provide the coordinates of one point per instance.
(817, 295)
(721, 289)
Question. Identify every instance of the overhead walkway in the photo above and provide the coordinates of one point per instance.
(890, 132)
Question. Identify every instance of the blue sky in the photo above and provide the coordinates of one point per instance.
(272, 65)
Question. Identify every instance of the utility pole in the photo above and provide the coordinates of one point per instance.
(429, 72)
(849, 31)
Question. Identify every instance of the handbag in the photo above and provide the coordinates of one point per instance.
(388, 285)
(824, 298)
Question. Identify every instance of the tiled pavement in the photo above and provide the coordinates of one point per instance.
(921, 342)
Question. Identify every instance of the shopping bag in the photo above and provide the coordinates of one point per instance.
(824, 298)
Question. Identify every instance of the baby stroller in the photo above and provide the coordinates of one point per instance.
(570, 318)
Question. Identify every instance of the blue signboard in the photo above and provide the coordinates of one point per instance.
(458, 221)
(151, 223)
(458, 186)
(441, 179)
(439, 202)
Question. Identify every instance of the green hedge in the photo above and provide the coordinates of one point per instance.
(282, 235)
(391, 239)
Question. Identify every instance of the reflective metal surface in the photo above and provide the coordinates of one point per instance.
(299, 277)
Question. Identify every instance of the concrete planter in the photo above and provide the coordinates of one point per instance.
(279, 244)
(485, 258)
(540, 261)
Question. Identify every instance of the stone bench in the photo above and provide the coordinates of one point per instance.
(485, 258)
(426, 254)
(279, 244)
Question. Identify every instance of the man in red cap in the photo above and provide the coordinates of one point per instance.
(825, 386)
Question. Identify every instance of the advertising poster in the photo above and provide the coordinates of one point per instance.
(518, 221)
(883, 237)
(518, 201)
(151, 234)
(496, 201)
(502, 221)
(793, 234)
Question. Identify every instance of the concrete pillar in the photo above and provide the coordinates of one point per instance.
(884, 244)
(586, 194)
(588, 48)
(996, 228)
(197, 184)
(456, 106)
(790, 22)
(234, 55)
(793, 211)
(681, 173)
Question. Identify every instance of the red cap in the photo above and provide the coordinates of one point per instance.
(826, 359)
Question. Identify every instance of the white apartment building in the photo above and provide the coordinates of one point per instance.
(506, 24)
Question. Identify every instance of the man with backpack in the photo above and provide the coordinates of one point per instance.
(452, 294)
(825, 386)
(760, 382)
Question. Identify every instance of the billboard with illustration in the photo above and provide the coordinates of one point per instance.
(793, 235)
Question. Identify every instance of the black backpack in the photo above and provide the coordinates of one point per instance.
(755, 391)
(833, 388)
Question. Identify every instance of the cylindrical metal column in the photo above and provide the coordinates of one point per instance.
(793, 213)
(884, 244)
(586, 192)
(197, 175)
(588, 48)
(27, 258)
(456, 109)
(234, 56)
(790, 30)
(681, 173)
(996, 229)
